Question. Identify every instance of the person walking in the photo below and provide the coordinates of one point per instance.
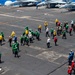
(70, 31)
(45, 24)
(69, 71)
(39, 28)
(10, 40)
(72, 23)
(73, 66)
(56, 21)
(47, 32)
(55, 40)
(54, 33)
(48, 42)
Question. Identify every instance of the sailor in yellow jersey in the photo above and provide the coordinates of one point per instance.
(1, 38)
(45, 24)
(56, 21)
(39, 28)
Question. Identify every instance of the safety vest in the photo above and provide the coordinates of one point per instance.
(56, 20)
(26, 32)
(45, 23)
(12, 34)
(54, 32)
(40, 26)
(1, 37)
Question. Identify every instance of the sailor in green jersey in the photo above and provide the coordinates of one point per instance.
(37, 35)
(51, 31)
(32, 32)
(63, 34)
(17, 43)
(2, 36)
(15, 50)
(13, 45)
(67, 26)
(27, 40)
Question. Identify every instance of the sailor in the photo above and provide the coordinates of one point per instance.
(1, 39)
(45, 24)
(39, 28)
(47, 32)
(72, 23)
(48, 42)
(54, 33)
(55, 40)
(51, 31)
(30, 37)
(63, 34)
(2, 36)
(10, 40)
(37, 35)
(56, 21)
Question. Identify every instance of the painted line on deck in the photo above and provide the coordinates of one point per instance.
(25, 17)
(6, 70)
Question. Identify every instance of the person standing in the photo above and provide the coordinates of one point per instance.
(1, 39)
(51, 31)
(63, 34)
(72, 54)
(3, 36)
(39, 28)
(67, 26)
(55, 40)
(10, 40)
(56, 21)
(47, 32)
(69, 71)
(45, 24)
(54, 33)
(15, 50)
(30, 37)
(70, 31)
(73, 66)
(48, 42)
(72, 23)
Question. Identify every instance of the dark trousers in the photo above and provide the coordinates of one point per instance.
(16, 53)
(10, 43)
(39, 29)
(47, 34)
(70, 33)
(30, 40)
(64, 36)
(55, 43)
(48, 45)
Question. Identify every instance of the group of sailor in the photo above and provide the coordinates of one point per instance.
(29, 35)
